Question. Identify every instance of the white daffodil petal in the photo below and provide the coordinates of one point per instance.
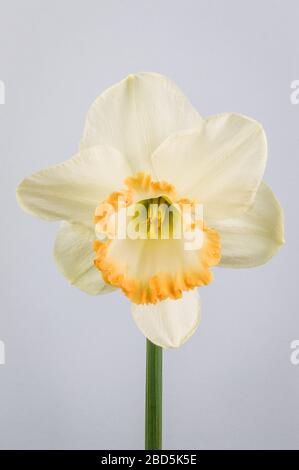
(74, 255)
(256, 236)
(220, 164)
(136, 115)
(169, 323)
(71, 190)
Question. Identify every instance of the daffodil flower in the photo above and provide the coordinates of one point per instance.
(144, 140)
(144, 143)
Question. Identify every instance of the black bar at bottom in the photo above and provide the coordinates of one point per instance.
(136, 458)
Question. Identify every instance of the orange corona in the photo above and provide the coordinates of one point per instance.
(149, 271)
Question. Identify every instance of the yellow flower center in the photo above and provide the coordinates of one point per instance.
(151, 247)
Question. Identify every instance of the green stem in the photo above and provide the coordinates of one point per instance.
(153, 397)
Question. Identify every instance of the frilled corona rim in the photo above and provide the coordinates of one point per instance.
(142, 282)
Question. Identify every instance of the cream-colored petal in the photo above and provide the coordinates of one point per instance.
(136, 115)
(72, 190)
(256, 236)
(169, 323)
(74, 255)
(220, 164)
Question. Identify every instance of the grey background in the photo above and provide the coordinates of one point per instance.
(74, 373)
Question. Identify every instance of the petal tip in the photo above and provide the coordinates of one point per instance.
(170, 323)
